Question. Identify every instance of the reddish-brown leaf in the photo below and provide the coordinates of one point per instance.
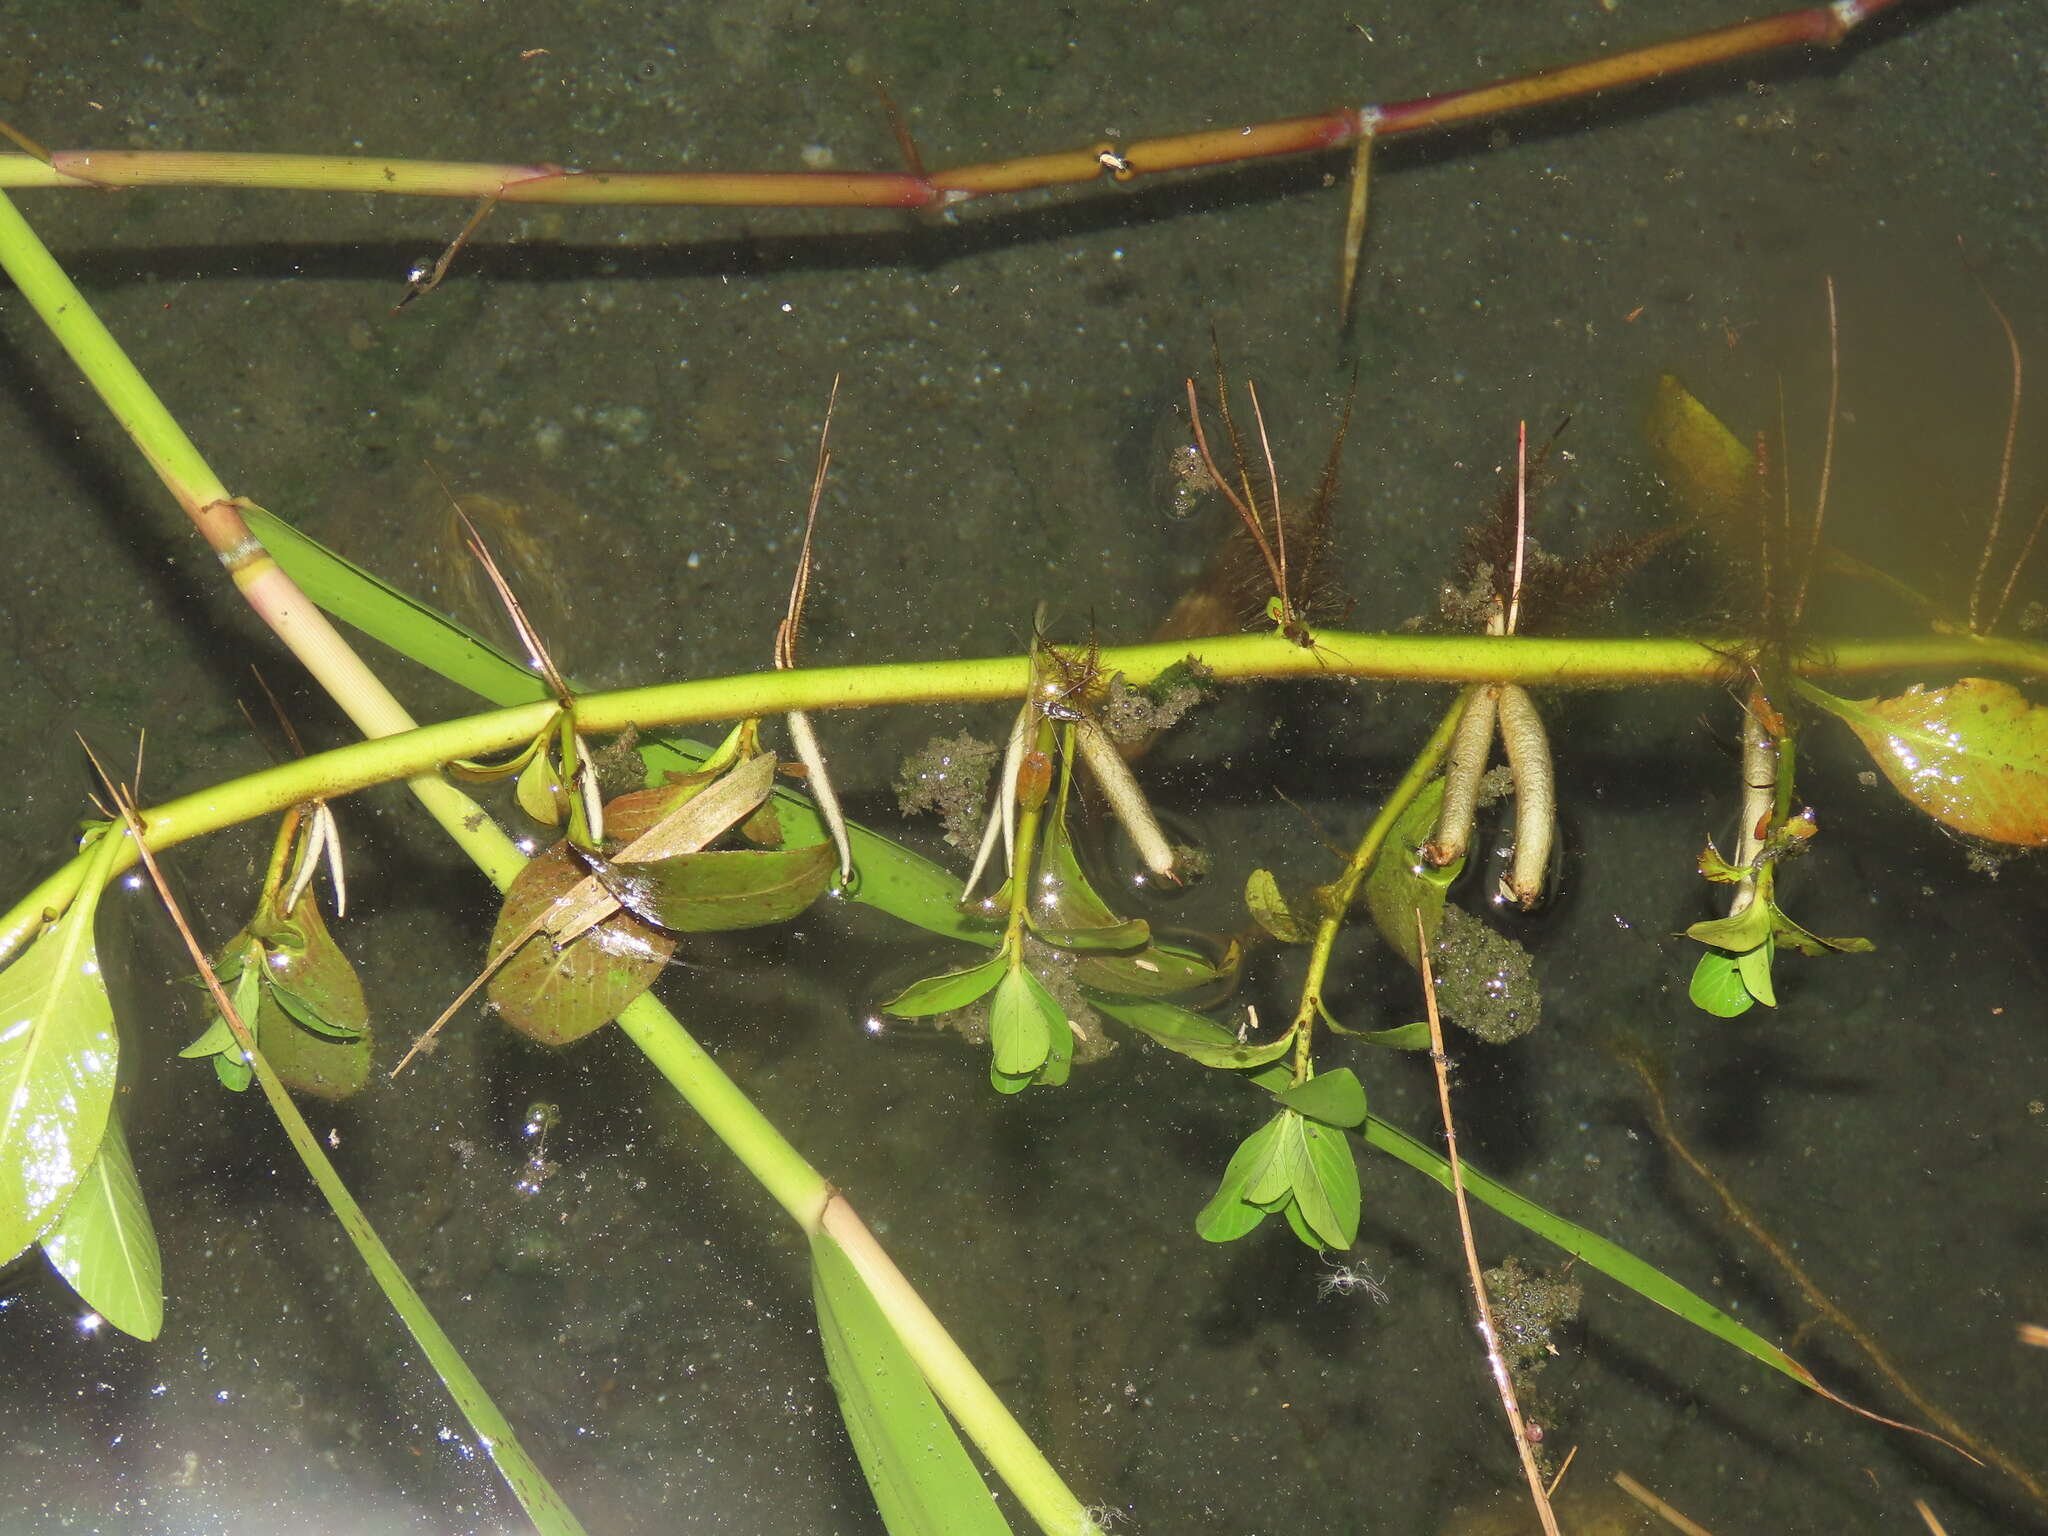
(559, 995)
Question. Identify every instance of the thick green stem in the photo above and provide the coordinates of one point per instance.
(415, 756)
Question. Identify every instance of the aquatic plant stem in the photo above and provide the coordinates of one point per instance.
(264, 585)
(540, 182)
(414, 755)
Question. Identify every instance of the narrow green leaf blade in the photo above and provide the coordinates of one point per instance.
(1134, 933)
(923, 1480)
(942, 994)
(1195, 1037)
(58, 1054)
(383, 612)
(1403, 1037)
(104, 1246)
(1611, 1259)
(1158, 970)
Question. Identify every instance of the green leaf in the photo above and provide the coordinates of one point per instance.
(1326, 1191)
(1335, 1098)
(1134, 933)
(892, 879)
(217, 1038)
(1703, 464)
(1303, 1232)
(322, 1062)
(559, 995)
(719, 890)
(1400, 882)
(1059, 1059)
(1270, 1183)
(311, 978)
(923, 1480)
(1785, 931)
(1062, 895)
(303, 1014)
(1270, 911)
(1180, 1029)
(1717, 986)
(1754, 967)
(234, 1073)
(539, 792)
(380, 610)
(58, 1055)
(1745, 930)
(104, 1246)
(1405, 1037)
(1022, 1019)
(232, 1066)
(943, 994)
(1159, 971)
(1228, 1215)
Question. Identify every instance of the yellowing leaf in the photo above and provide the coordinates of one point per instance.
(1973, 755)
(1270, 911)
(1701, 462)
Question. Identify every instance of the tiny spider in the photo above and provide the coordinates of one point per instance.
(1350, 1280)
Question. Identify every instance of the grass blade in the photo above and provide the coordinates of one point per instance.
(924, 1482)
(1611, 1259)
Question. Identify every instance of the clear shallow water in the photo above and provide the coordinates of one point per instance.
(651, 382)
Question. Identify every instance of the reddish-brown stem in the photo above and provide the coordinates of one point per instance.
(1818, 25)
(1249, 513)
